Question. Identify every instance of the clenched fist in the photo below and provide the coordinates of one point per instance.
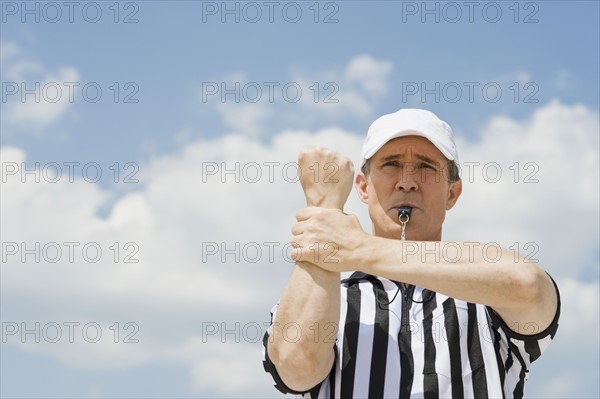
(326, 177)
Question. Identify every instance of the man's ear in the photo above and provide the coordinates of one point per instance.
(360, 183)
(453, 193)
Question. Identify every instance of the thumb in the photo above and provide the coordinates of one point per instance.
(306, 213)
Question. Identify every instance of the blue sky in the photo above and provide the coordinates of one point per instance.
(370, 58)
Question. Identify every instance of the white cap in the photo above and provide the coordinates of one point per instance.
(409, 122)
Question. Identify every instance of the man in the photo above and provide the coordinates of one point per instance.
(421, 317)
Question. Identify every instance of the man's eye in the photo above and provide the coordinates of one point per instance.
(391, 163)
(426, 165)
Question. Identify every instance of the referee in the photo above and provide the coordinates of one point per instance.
(420, 317)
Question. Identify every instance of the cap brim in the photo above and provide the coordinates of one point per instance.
(403, 133)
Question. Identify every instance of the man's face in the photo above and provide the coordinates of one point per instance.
(408, 171)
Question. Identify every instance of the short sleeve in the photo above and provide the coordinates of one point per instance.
(532, 346)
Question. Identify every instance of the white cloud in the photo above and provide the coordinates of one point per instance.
(52, 103)
(48, 98)
(239, 102)
(236, 369)
(580, 300)
(245, 118)
(184, 203)
(355, 91)
(369, 73)
(132, 209)
(247, 106)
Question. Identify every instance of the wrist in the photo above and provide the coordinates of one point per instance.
(317, 273)
(324, 203)
(322, 199)
(369, 254)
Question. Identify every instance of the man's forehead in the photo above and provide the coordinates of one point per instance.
(401, 146)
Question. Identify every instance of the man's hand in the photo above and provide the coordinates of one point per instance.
(329, 239)
(326, 177)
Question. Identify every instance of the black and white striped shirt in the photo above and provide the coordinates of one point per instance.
(421, 344)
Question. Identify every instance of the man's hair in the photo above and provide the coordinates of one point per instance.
(452, 172)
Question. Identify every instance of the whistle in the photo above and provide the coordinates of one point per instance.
(404, 214)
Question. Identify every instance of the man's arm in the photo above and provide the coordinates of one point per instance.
(311, 299)
(516, 288)
(309, 306)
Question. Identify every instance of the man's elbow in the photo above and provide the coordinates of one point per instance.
(532, 284)
(537, 292)
(300, 370)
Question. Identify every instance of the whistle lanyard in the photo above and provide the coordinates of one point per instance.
(404, 218)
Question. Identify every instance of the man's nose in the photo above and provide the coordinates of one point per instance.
(407, 180)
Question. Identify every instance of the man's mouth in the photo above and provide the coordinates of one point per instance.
(404, 205)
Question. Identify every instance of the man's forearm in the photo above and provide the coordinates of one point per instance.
(515, 287)
(305, 327)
